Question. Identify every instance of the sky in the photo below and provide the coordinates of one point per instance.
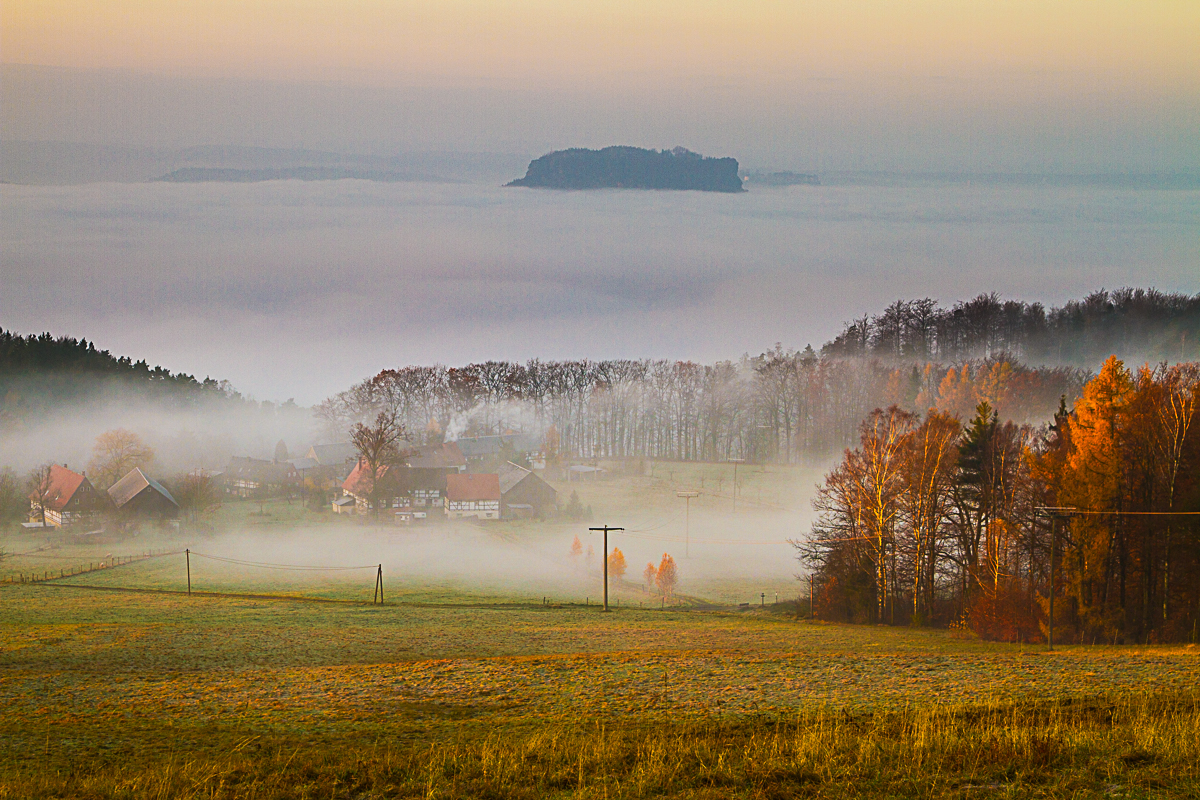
(969, 85)
(293, 289)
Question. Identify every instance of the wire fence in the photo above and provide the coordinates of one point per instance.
(105, 563)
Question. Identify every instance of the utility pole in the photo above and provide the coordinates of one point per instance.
(606, 529)
(188, 555)
(1054, 514)
(735, 462)
(687, 523)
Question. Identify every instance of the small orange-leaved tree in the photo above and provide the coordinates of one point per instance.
(616, 563)
(666, 576)
(648, 574)
(576, 548)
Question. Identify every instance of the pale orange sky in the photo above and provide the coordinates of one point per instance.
(1088, 85)
(1148, 44)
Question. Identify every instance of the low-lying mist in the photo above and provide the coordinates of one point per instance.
(733, 558)
(183, 439)
(299, 289)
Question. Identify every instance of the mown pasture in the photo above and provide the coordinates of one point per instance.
(110, 693)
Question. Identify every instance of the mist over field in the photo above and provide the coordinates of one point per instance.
(732, 556)
(295, 289)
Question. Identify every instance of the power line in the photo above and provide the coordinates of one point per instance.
(267, 565)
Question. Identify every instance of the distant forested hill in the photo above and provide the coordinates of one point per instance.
(631, 168)
(1134, 324)
(41, 371)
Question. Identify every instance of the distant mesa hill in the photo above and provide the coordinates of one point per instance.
(225, 175)
(631, 168)
(783, 179)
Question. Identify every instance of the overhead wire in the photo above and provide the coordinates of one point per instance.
(268, 565)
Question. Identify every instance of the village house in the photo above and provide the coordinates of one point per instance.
(138, 495)
(66, 498)
(245, 477)
(524, 494)
(473, 495)
(411, 490)
(480, 451)
(330, 463)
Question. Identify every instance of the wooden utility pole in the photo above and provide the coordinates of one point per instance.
(687, 521)
(1054, 514)
(188, 554)
(606, 529)
(735, 462)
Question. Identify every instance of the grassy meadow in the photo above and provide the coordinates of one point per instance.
(491, 672)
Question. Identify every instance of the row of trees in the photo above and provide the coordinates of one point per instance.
(664, 577)
(783, 405)
(929, 520)
(1142, 324)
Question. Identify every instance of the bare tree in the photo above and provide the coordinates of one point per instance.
(115, 453)
(378, 447)
(41, 489)
(196, 494)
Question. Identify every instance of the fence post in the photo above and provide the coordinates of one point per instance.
(188, 555)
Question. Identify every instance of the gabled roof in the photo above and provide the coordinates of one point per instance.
(438, 456)
(476, 446)
(473, 486)
(133, 484)
(333, 455)
(62, 485)
(359, 482)
(258, 469)
(510, 475)
(304, 463)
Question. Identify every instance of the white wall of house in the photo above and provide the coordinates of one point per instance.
(480, 509)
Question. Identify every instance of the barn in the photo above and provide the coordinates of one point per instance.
(524, 494)
(138, 495)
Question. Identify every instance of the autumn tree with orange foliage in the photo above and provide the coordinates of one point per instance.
(666, 576)
(649, 574)
(616, 563)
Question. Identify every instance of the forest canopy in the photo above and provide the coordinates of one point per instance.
(1136, 325)
(41, 371)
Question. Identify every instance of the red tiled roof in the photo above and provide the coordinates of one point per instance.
(63, 484)
(473, 486)
(359, 481)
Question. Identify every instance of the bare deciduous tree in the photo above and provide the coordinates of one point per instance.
(115, 453)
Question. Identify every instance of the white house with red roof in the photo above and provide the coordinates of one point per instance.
(473, 495)
(67, 497)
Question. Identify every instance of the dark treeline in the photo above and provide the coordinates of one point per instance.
(783, 405)
(1135, 324)
(40, 371)
(933, 520)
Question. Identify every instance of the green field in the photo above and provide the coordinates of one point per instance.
(467, 683)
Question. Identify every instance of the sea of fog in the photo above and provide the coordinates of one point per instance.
(298, 289)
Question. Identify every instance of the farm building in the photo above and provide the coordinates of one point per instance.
(524, 494)
(328, 463)
(473, 495)
(418, 484)
(479, 451)
(139, 495)
(66, 498)
(244, 477)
